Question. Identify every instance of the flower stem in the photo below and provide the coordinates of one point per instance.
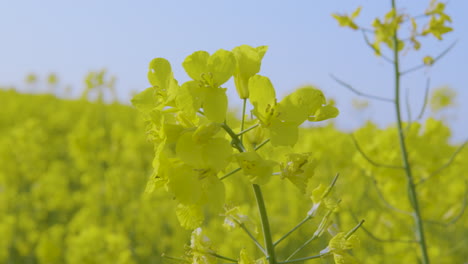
(244, 105)
(262, 144)
(247, 130)
(352, 231)
(230, 173)
(300, 259)
(265, 224)
(223, 257)
(270, 249)
(307, 218)
(412, 195)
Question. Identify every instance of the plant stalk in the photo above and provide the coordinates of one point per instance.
(244, 105)
(412, 195)
(270, 249)
(265, 224)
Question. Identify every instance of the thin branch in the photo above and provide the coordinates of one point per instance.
(370, 160)
(367, 30)
(223, 257)
(307, 218)
(408, 19)
(174, 258)
(437, 58)
(316, 234)
(269, 248)
(382, 197)
(369, 233)
(313, 211)
(262, 144)
(426, 98)
(235, 142)
(346, 85)
(244, 105)
(460, 246)
(445, 165)
(369, 44)
(241, 225)
(418, 17)
(330, 187)
(300, 259)
(352, 231)
(457, 217)
(247, 130)
(408, 109)
(230, 173)
(412, 194)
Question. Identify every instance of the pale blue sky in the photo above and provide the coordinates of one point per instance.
(305, 45)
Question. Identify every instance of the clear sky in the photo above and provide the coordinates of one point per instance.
(305, 46)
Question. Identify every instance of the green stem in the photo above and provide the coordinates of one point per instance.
(262, 144)
(246, 230)
(236, 142)
(270, 250)
(230, 173)
(315, 236)
(293, 229)
(265, 224)
(330, 187)
(174, 258)
(411, 185)
(246, 130)
(223, 257)
(244, 104)
(352, 231)
(300, 259)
